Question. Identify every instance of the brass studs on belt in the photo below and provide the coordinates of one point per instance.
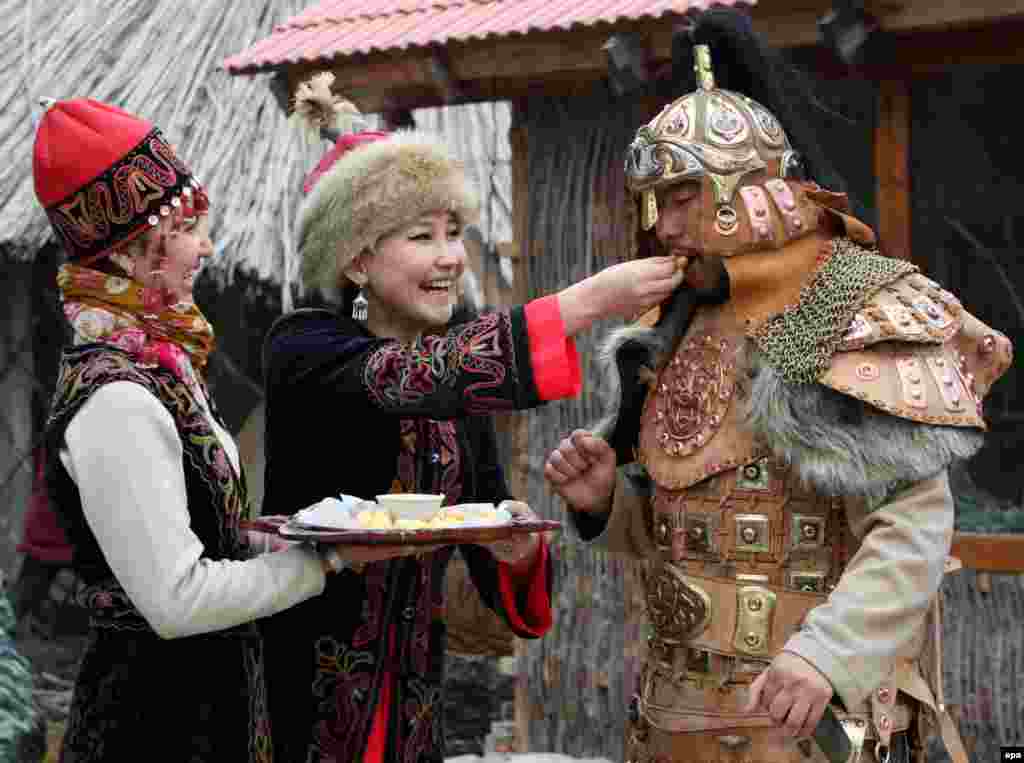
(810, 581)
(700, 533)
(755, 607)
(753, 533)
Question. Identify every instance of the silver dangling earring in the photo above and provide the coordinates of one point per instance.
(360, 307)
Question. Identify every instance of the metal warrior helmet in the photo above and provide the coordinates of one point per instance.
(733, 146)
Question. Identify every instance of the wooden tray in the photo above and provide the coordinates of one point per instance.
(292, 530)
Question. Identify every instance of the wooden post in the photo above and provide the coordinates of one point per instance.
(892, 170)
(990, 552)
(517, 469)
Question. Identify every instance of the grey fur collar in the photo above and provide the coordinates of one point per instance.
(654, 342)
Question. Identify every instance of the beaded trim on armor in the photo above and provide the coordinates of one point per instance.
(799, 342)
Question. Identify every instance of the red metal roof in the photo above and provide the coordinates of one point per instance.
(338, 28)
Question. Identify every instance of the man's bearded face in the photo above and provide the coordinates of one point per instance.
(678, 224)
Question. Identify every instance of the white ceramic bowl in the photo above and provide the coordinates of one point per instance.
(420, 506)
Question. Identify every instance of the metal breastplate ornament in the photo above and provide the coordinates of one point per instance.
(693, 395)
(678, 608)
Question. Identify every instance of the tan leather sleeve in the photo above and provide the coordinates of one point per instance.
(876, 613)
(625, 531)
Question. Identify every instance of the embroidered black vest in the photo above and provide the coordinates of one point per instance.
(212, 684)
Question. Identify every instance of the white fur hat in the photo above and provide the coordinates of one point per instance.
(371, 184)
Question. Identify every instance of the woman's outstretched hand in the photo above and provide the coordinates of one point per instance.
(519, 550)
(623, 290)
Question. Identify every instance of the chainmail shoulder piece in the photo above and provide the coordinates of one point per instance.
(799, 342)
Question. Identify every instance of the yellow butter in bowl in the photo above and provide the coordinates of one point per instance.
(374, 520)
(366, 517)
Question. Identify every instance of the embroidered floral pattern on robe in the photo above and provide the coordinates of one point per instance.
(396, 376)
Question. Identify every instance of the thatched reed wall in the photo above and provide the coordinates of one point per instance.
(16, 399)
(573, 221)
(477, 134)
(159, 60)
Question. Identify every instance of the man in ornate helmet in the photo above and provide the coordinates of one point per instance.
(785, 428)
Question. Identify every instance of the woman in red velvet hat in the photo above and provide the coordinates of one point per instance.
(389, 392)
(141, 470)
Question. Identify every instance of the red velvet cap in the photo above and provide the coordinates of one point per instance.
(104, 176)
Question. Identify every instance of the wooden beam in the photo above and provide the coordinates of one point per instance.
(787, 25)
(892, 171)
(928, 14)
(561, 62)
(990, 552)
(907, 55)
(917, 39)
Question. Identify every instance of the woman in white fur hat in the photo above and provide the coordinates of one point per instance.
(396, 398)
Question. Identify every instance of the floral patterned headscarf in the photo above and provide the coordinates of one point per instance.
(137, 319)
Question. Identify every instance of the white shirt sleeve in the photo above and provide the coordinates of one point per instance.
(124, 454)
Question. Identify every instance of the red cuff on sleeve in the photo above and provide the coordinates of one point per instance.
(535, 619)
(556, 364)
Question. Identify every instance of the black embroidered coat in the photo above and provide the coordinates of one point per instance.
(198, 698)
(350, 413)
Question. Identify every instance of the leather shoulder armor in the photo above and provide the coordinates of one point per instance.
(914, 352)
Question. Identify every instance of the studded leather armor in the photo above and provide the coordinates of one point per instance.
(794, 442)
(740, 549)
